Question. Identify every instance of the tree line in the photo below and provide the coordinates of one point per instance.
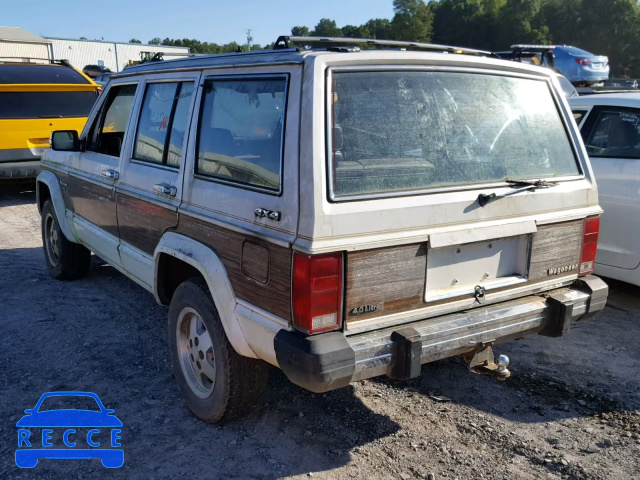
(604, 27)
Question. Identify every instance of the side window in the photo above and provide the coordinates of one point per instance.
(163, 123)
(578, 115)
(615, 134)
(107, 133)
(240, 132)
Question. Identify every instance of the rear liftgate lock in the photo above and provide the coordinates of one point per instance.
(483, 362)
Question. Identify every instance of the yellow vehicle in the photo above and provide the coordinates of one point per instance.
(35, 99)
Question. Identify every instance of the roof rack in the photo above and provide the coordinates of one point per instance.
(29, 60)
(524, 46)
(284, 42)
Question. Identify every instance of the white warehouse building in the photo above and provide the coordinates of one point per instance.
(22, 45)
(114, 55)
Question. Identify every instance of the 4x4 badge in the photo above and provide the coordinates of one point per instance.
(270, 214)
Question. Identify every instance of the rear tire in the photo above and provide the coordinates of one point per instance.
(65, 260)
(217, 383)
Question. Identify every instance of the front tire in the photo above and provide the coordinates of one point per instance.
(217, 383)
(65, 260)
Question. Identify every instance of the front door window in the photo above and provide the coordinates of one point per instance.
(107, 133)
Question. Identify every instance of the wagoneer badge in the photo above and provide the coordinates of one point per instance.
(365, 309)
(557, 270)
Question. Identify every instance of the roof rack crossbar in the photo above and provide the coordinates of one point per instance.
(527, 45)
(181, 54)
(285, 41)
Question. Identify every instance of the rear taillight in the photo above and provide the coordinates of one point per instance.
(589, 245)
(317, 292)
(583, 61)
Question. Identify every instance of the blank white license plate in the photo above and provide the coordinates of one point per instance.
(457, 270)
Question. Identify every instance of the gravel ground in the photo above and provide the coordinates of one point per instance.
(570, 410)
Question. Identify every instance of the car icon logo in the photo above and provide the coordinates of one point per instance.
(54, 430)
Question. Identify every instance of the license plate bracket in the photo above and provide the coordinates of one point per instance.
(456, 270)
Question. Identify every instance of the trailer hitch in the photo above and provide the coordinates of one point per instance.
(482, 361)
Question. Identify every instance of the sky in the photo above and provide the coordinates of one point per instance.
(208, 21)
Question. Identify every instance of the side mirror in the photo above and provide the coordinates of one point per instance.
(65, 141)
(109, 411)
(29, 410)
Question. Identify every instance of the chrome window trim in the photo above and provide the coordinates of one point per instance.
(232, 183)
(333, 198)
(215, 61)
(154, 165)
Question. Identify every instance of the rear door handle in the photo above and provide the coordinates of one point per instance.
(110, 173)
(163, 189)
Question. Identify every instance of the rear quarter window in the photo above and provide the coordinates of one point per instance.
(240, 134)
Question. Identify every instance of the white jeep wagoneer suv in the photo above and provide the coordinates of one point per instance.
(338, 213)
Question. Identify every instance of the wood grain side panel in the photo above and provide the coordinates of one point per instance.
(94, 202)
(392, 278)
(255, 262)
(142, 223)
(274, 296)
(63, 178)
(556, 245)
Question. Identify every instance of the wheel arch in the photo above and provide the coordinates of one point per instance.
(48, 188)
(206, 262)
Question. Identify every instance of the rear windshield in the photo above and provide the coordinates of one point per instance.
(408, 131)
(46, 104)
(577, 51)
(25, 73)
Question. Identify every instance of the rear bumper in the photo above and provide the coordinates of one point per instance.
(590, 76)
(20, 162)
(332, 360)
(24, 169)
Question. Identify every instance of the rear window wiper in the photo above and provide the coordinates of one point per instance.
(519, 185)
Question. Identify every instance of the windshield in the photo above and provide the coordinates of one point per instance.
(408, 131)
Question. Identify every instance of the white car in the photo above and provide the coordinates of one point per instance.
(610, 128)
